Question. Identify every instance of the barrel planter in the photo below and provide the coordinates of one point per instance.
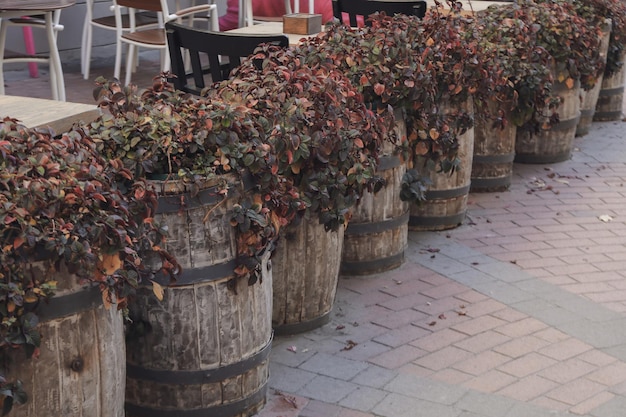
(446, 198)
(377, 233)
(589, 99)
(555, 143)
(203, 350)
(80, 369)
(305, 266)
(494, 151)
(611, 98)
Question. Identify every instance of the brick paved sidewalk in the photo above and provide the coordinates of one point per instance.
(519, 312)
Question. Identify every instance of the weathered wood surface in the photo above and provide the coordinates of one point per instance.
(305, 271)
(377, 233)
(611, 98)
(494, 151)
(446, 198)
(589, 99)
(554, 144)
(192, 241)
(80, 371)
(206, 348)
(41, 113)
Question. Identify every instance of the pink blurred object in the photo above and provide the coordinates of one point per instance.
(29, 43)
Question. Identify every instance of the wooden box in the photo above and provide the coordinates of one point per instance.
(302, 23)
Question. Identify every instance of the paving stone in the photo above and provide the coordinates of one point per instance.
(401, 336)
(326, 389)
(479, 325)
(526, 365)
(528, 388)
(374, 377)
(288, 379)
(425, 389)
(565, 349)
(521, 328)
(612, 408)
(443, 358)
(590, 404)
(438, 340)
(320, 409)
(363, 398)
(482, 341)
(491, 381)
(396, 405)
(398, 319)
(397, 357)
(521, 346)
(568, 370)
(451, 376)
(481, 363)
(484, 405)
(609, 375)
(333, 366)
(576, 391)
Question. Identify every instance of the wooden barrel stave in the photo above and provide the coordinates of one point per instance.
(611, 97)
(305, 272)
(79, 371)
(494, 151)
(446, 198)
(554, 144)
(589, 99)
(377, 234)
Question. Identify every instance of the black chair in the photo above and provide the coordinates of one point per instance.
(215, 45)
(364, 8)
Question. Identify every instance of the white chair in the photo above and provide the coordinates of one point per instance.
(153, 38)
(142, 21)
(48, 22)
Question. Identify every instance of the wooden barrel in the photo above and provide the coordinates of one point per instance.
(80, 370)
(305, 268)
(589, 99)
(494, 151)
(377, 233)
(554, 144)
(611, 99)
(446, 198)
(204, 349)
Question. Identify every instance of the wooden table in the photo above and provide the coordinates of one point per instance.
(271, 28)
(469, 6)
(18, 8)
(42, 113)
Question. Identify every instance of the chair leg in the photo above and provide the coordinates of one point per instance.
(3, 38)
(165, 60)
(118, 59)
(86, 52)
(130, 58)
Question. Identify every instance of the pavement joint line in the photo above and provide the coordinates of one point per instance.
(572, 314)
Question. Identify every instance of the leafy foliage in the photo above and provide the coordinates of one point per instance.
(65, 208)
(535, 45)
(595, 11)
(510, 41)
(567, 37)
(324, 140)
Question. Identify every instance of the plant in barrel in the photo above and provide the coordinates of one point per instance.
(204, 157)
(73, 228)
(324, 143)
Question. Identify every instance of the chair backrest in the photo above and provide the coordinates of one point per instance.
(214, 45)
(355, 12)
